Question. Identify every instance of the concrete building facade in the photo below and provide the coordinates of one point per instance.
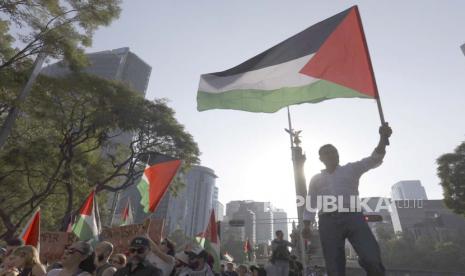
(408, 189)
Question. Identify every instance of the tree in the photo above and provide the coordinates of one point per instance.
(451, 172)
(66, 143)
(59, 28)
(424, 253)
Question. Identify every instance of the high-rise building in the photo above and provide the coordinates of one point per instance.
(261, 216)
(124, 66)
(463, 48)
(264, 221)
(118, 64)
(219, 210)
(190, 209)
(249, 218)
(232, 207)
(280, 222)
(408, 189)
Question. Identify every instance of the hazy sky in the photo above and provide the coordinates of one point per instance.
(420, 70)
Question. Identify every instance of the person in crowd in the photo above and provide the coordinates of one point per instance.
(162, 256)
(242, 270)
(280, 255)
(103, 251)
(2, 254)
(138, 265)
(118, 261)
(198, 265)
(254, 270)
(230, 269)
(26, 259)
(12, 244)
(182, 262)
(8, 267)
(75, 261)
(295, 267)
(222, 269)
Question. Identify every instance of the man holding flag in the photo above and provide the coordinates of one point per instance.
(335, 226)
(328, 60)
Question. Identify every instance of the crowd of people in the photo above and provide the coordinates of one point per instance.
(144, 257)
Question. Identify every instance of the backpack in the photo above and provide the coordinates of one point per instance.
(281, 252)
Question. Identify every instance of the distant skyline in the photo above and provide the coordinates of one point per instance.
(418, 63)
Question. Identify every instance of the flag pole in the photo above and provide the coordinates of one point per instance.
(378, 99)
(290, 126)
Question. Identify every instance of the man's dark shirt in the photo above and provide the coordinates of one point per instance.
(142, 269)
(230, 273)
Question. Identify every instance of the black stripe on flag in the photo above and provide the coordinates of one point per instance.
(301, 44)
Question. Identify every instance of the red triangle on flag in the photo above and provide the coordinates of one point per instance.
(86, 208)
(160, 177)
(211, 233)
(31, 233)
(343, 58)
(125, 214)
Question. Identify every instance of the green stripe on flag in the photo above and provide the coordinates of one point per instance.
(270, 101)
(143, 188)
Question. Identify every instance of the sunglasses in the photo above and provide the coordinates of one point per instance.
(139, 250)
(72, 250)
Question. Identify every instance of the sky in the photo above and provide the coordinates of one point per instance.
(419, 68)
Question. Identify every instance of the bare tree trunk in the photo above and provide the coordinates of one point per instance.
(14, 111)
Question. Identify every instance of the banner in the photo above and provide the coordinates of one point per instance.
(121, 236)
(52, 245)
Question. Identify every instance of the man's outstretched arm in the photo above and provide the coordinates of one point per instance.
(376, 158)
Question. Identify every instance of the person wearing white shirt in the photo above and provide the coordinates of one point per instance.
(345, 222)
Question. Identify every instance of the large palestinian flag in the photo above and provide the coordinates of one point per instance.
(326, 61)
(155, 182)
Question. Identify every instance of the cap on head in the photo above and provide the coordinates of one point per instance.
(140, 242)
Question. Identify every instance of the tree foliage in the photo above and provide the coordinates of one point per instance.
(424, 253)
(59, 28)
(78, 133)
(451, 171)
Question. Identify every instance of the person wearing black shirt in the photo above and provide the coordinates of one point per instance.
(137, 263)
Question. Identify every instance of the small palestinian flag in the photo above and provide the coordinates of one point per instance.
(326, 61)
(127, 216)
(155, 182)
(87, 224)
(210, 241)
(31, 233)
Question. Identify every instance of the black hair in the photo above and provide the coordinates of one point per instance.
(326, 147)
(279, 231)
(14, 242)
(88, 263)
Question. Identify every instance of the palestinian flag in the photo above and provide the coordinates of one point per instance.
(247, 246)
(31, 233)
(126, 215)
(87, 224)
(210, 241)
(155, 182)
(326, 61)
